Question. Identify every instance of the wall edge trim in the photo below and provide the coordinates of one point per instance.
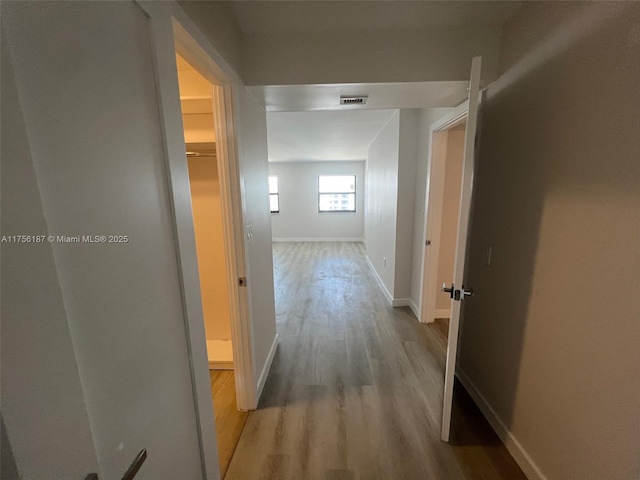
(213, 365)
(265, 369)
(414, 308)
(515, 448)
(279, 240)
(385, 292)
(401, 302)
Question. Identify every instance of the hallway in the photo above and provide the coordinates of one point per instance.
(355, 390)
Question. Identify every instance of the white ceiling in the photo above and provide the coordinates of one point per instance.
(269, 17)
(322, 136)
(307, 123)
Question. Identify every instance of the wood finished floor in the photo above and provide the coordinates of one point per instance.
(229, 420)
(355, 389)
(440, 328)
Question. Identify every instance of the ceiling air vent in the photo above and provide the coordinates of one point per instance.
(345, 100)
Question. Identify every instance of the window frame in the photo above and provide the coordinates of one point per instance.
(276, 193)
(355, 189)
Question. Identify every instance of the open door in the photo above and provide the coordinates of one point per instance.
(458, 291)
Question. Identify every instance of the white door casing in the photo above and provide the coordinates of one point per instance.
(232, 215)
(434, 197)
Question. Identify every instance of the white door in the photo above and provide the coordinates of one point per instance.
(458, 292)
(101, 313)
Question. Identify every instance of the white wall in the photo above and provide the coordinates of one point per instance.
(407, 167)
(428, 116)
(299, 218)
(551, 338)
(381, 202)
(391, 202)
(254, 171)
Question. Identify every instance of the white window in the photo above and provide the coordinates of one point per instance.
(337, 193)
(274, 197)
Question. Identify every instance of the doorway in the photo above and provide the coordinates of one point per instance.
(197, 103)
(445, 184)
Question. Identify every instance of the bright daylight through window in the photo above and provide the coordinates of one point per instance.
(274, 198)
(337, 193)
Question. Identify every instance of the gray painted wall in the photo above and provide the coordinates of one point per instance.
(551, 338)
(368, 56)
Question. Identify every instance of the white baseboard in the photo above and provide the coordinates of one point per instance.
(357, 240)
(265, 369)
(517, 451)
(385, 292)
(401, 302)
(213, 365)
(414, 308)
(442, 313)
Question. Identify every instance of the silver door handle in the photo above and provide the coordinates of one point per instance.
(466, 293)
(449, 290)
(133, 468)
(135, 465)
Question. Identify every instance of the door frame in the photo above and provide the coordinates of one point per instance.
(433, 213)
(172, 32)
(231, 200)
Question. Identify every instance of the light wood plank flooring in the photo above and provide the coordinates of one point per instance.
(355, 390)
(440, 329)
(229, 420)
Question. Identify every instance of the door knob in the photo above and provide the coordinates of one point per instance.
(466, 293)
(133, 469)
(449, 290)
